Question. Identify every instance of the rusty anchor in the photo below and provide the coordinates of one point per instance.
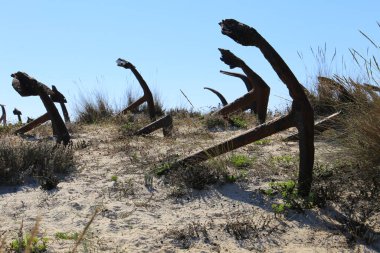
(147, 97)
(28, 86)
(301, 115)
(166, 122)
(257, 97)
(18, 114)
(3, 117)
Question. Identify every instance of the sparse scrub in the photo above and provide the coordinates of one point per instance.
(196, 177)
(286, 161)
(93, 109)
(9, 128)
(289, 196)
(186, 237)
(121, 188)
(183, 112)
(132, 96)
(41, 161)
(215, 122)
(244, 228)
(355, 194)
(130, 123)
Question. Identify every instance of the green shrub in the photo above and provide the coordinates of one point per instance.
(238, 121)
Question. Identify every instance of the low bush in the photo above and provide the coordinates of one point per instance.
(41, 161)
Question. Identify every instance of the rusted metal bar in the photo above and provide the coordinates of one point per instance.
(261, 90)
(238, 105)
(320, 126)
(166, 123)
(18, 113)
(301, 107)
(301, 115)
(4, 115)
(33, 124)
(58, 97)
(248, 85)
(147, 97)
(244, 78)
(28, 86)
(220, 96)
(241, 140)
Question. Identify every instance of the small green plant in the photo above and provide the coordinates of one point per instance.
(67, 236)
(291, 200)
(162, 168)
(286, 161)
(239, 122)
(231, 178)
(114, 178)
(35, 244)
(240, 161)
(262, 142)
(280, 208)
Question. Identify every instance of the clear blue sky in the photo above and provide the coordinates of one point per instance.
(73, 44)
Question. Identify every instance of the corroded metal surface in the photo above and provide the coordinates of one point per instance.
(255, 85)
(18, 114)
(166, 123)
(33, 124)
(3, 117)
(147, 97)
(301, 115)
(58, 97)
(218, 94)
(28, 86)
(329, 122)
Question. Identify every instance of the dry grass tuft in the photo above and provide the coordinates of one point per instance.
(93, 109)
